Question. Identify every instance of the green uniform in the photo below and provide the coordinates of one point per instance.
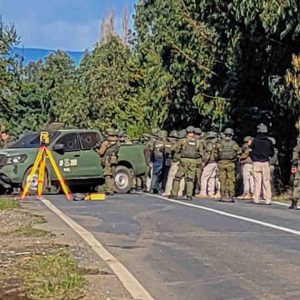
(189, 151)
(296, 182)
(6, 144)
(109, 155)
(149, 145)
(199, 169)
(157, 160)
(227, 155)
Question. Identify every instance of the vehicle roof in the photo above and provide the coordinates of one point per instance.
(78, 130)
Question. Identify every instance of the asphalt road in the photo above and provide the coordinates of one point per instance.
(188, 253)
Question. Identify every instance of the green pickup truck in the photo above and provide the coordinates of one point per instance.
(73, 151)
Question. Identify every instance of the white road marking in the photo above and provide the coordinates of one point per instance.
(136, 290)
(280, 203)
(238, 217)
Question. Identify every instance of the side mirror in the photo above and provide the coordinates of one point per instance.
(59, 147)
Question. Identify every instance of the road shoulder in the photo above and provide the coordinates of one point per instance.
(50, 233)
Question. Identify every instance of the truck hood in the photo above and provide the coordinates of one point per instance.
(18, 151)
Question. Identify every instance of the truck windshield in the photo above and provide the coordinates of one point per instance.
(31, 140)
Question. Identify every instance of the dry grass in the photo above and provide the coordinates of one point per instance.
(6, 203)
(55, 276)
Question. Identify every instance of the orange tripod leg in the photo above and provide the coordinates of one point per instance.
(59, 175)
(41, 175)
(32, 173)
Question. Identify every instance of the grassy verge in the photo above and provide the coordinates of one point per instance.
(29, 231)
(55, 276)
(6, 203)
(32, 265)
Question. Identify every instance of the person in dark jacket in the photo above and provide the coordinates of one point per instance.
(262, 151)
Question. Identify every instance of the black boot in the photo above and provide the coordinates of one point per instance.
(294, 203)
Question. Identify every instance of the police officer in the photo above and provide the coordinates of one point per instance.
(274, 169)
(296, 172)
(6, 140)
(228, 152)
(181, 134)
(109, 154)
(199, 135)
(157, 161)
(149, 144)
(189, 151)
(209, 178)
(123, 138)
(170, 146)
(247, 169)
(262, 150)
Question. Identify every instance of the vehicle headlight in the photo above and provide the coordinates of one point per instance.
(10, 160)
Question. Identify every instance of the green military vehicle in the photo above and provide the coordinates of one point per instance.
(74, 153)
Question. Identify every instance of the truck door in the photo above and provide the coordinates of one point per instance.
(70, 159)
(92, 167)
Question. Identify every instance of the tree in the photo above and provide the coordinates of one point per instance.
(9, 72)
(50, 92)
(105, 77)
(187, 49)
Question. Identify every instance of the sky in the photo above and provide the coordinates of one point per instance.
(60, 24)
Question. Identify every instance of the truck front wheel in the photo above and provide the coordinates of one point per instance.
(123, 180)
(34, 183)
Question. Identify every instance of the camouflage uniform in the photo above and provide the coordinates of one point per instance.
(275, 170)
(174, 168)
(247, 169)
(4, 144)
(109, 155)
(296, 172)
(170, 146)
(228, 152)
(147, 152)
(157, 160)
(209, 178)
(124, 139)
(189, 151)
(200, 166)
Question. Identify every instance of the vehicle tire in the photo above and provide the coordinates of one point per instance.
(34, 184)
(123, 180)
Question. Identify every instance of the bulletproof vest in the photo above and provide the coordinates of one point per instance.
(296, 154)
(168, 148)
(190, 148)
(227, 151)
(168, 153)
(112, 152)
(159, 149)
(150, 143)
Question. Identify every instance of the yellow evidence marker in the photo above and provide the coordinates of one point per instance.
(95, 197)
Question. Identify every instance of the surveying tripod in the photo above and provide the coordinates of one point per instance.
(40, 166)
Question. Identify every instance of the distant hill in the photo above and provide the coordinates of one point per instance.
(32, 54)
